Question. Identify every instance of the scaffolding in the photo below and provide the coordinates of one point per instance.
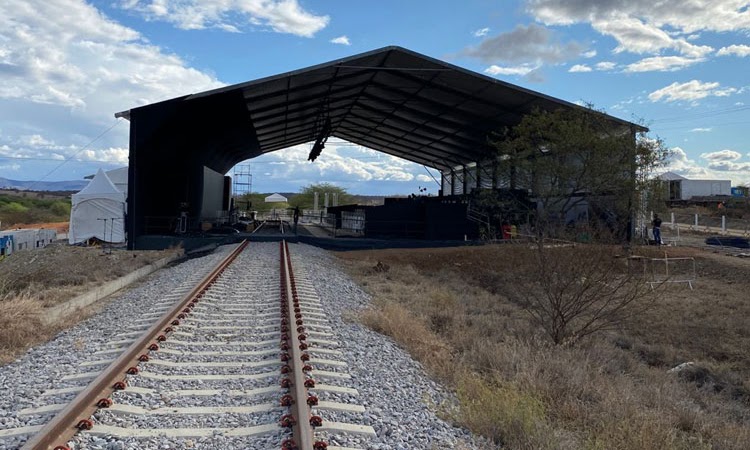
(242, 184)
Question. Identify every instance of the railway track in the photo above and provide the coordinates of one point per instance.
(244, 359)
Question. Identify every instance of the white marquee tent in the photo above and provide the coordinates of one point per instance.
(276, 198)
(98, 210)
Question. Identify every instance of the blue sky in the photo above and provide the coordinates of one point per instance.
(66, 66)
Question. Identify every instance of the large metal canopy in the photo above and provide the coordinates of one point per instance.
(392, 100)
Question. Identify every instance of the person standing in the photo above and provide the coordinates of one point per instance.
(656, 224)
(296, 218)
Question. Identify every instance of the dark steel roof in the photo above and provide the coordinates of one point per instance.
(392, 100)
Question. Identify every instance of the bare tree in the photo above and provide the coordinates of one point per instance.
(574, 291)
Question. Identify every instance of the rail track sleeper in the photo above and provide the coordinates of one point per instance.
(323, 342)
(119, 432)
(338, 406)
(262, 344)
(257, 376)
(169, 351)
(325, 373)
(20, 431)
(248, 364)
(100, 362)
(62, 391)
(193, 410)
(337, 389)
(341, 427)
(327, 362)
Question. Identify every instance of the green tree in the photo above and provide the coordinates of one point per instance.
(61, 209)
(306, 198)
(572, 157)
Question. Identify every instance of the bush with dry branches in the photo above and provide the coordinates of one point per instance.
(574, 291)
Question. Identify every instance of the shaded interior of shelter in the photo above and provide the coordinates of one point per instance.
(391, 100)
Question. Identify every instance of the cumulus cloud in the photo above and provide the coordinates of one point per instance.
(580, 68)
(339, 162)
(729, 166)
(64, 73)
(736, 50)
(605, 65)
(481, 32)
(662, 64)
(532, 44)
(721, 165)
(499, 70)
(282, 16)
(722, 155)
(341, 40)
(647, 27)
(680, 163)
(690, 91)
(687, 18)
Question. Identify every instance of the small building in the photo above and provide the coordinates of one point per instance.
(29, 238)
(681, 188)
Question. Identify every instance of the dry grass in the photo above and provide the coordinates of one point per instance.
(33, 280)
(20, 323)
(612, 391)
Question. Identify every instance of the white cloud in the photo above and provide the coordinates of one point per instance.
(580, 68)
(481, 32)
(689, 91)
(736, 50)
(701, 130)
(662, 64)
(282, 16)
(722, 155)
(499, 70)
(644, 26)
(722, 165)
(64, 73)
(589, 54)
(680, 16)
(605, 65)
(425, 178)
(340, 162)
(342, 40)
(729, 166)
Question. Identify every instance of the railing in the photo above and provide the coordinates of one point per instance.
(708, 224)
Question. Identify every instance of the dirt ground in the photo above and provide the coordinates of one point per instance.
(60, 271)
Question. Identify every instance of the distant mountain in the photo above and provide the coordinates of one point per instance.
(73, 185)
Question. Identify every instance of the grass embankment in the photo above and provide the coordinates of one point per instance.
(609, 391)
(32, 280)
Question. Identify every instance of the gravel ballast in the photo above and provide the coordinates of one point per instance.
(392, 387)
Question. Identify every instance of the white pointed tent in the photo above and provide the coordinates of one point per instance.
(96, 202)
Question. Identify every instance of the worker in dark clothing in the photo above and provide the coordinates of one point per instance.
(656, 223)
(295, 216)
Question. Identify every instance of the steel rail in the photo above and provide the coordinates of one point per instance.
(58, 431)
(303, 431)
